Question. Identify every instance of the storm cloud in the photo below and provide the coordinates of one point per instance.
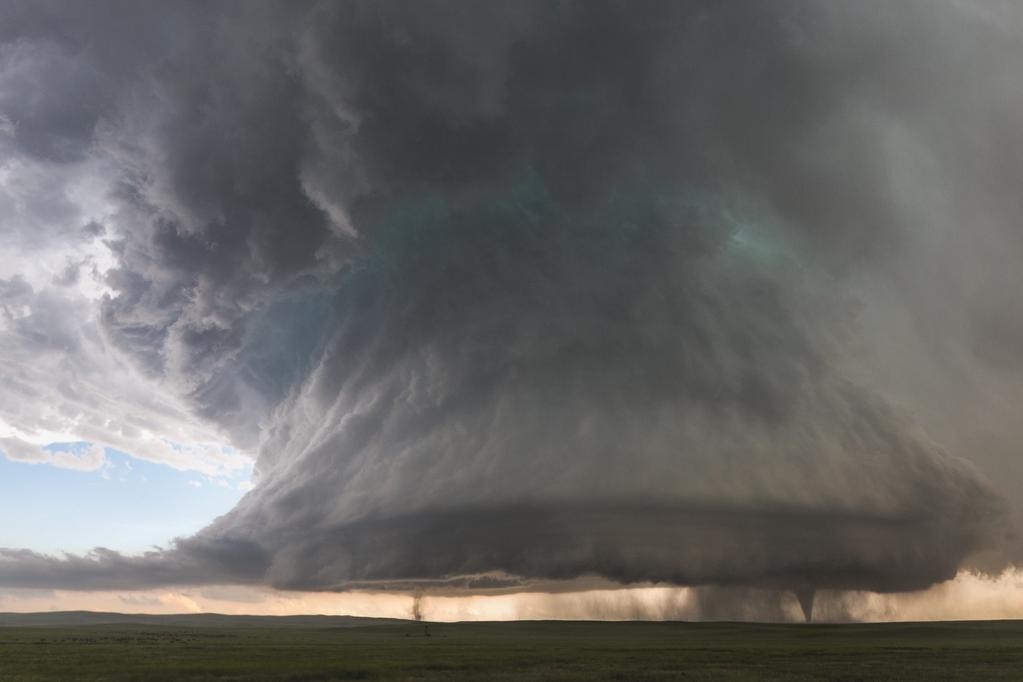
(510, 293)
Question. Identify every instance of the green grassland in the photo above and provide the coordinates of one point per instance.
(234, 650)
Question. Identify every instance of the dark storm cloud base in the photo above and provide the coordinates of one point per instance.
(480, 550)
(785, 549)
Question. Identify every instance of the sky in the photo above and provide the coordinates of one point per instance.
(127, 503)
(533, 309)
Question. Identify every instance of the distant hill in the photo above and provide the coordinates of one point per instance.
(206, 620)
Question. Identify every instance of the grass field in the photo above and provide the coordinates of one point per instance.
(514, 651)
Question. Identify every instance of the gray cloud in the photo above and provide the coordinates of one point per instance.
(555, 290)
(63, 384)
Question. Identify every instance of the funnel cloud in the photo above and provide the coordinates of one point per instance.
(500, 294)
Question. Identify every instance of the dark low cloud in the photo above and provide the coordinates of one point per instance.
(552, 290)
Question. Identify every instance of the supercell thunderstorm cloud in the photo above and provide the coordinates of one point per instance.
(502, 294)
